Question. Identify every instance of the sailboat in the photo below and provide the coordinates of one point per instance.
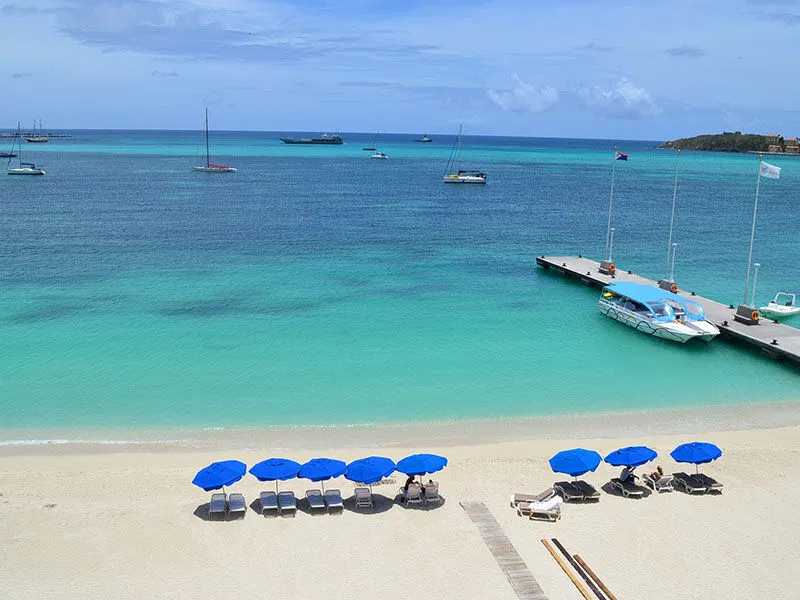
(23, 168)
(40, 138)
(461, 175)
(372, 147)
(209, 166)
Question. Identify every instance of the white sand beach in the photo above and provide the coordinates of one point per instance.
(122, 522)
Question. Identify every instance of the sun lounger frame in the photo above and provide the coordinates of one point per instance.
(362, 497)
(218, 505)
(568, 491)
(411, 496)
(315, 499)
(629, 489)
(287, 503)
(333, 499)
(237, 504)
(689, 484)
(269, 502)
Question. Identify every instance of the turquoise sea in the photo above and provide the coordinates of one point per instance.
(317, 286)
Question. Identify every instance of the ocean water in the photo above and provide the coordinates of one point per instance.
(317, 286)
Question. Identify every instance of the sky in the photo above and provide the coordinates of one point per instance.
(622, 69)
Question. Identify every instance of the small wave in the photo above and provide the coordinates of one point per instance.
(36, 442)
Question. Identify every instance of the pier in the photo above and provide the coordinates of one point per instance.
(773, 339)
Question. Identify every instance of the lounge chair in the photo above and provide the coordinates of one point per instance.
(568, 491)
(712, 485)
(333, 499)
(218, 505)
(543, 510)
(665, 483)
(269, 502)
(413, 495)
(315, 500)
(588, 490)
(237, 505)
(520, 498)
(430, 491)
(287, 503)
(627, 488)
(689, 484)
(362, 497)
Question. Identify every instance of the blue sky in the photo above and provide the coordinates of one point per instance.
(565, 68)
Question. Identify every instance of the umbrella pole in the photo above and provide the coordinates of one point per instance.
(276, 487)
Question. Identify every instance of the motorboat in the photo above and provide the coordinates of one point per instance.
(461, 175)
(380, 155)
(656, 312)
(424, 139)
(210, 167)
(782, 306)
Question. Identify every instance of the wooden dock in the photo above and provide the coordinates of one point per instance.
(771, 338)
(511, 563)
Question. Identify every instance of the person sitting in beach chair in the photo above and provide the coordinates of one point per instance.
(409, 481)
(627, 475)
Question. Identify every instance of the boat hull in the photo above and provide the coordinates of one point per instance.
(673, 332)
(25, 171)
(37, 140)
(215, 169)
(337, 141)
(465, 179)
(776, 311)
(380, 156)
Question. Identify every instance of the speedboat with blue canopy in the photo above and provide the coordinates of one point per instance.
(656, 312)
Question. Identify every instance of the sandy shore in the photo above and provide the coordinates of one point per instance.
(125, 521)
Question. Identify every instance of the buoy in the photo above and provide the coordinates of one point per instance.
(673, 288)
(754, 316)
(612, 268)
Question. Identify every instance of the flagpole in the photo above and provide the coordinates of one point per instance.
(672, 218)
(753, 231)
(610, 204)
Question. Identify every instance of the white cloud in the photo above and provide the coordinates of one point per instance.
(525, 98)
(626, 100)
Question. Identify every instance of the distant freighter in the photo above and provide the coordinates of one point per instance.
(325, 139)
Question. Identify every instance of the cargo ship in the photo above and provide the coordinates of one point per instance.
(325, 139)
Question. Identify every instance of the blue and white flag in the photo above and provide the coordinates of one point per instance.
(769, 171)
(620, 156)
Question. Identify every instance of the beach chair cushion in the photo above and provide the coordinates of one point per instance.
(362, 497)
(237, 504)
(333, 499)
(315, 499)
(287, 502)
(587, 489)
(544, 495)
(218, 504)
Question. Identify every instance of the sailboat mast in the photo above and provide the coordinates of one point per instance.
(458, 155)
(208, 159)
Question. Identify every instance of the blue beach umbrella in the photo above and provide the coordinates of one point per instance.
(275, 469)
(370, 470)
(219, 474)
(697, 453)
(576, 461)
(632, 456)
(421, 464)
(322, 469)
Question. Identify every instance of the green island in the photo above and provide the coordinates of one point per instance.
(736, 141)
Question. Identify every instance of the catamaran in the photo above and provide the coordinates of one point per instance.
(209, 166)
(24, 168)
(783, 305)
(380, 155)
(656, 312)
(461, 175)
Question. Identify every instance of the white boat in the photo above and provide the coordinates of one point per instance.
(380, 155)
(461, 175)
(209, 166)
(656, 312)
(24, 168)
(782, 306)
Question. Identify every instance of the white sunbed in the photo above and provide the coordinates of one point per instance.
(543, 510)
(520, 498)
(237, 505)
(315, 500)
(333, 499)
(362, 497)
(218, 505)
(431, 493)
(287, 503)
(269, 502)
(413, 495)
(665, 483)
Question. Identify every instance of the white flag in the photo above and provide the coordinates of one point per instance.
(769, 171)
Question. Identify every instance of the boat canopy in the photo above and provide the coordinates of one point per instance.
(784, 299)
(662, 303)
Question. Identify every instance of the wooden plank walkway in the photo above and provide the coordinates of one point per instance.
(776, 340)
(511, 563)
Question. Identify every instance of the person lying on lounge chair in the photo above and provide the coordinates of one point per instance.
(657, 474)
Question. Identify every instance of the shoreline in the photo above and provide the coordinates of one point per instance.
(472, 432)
